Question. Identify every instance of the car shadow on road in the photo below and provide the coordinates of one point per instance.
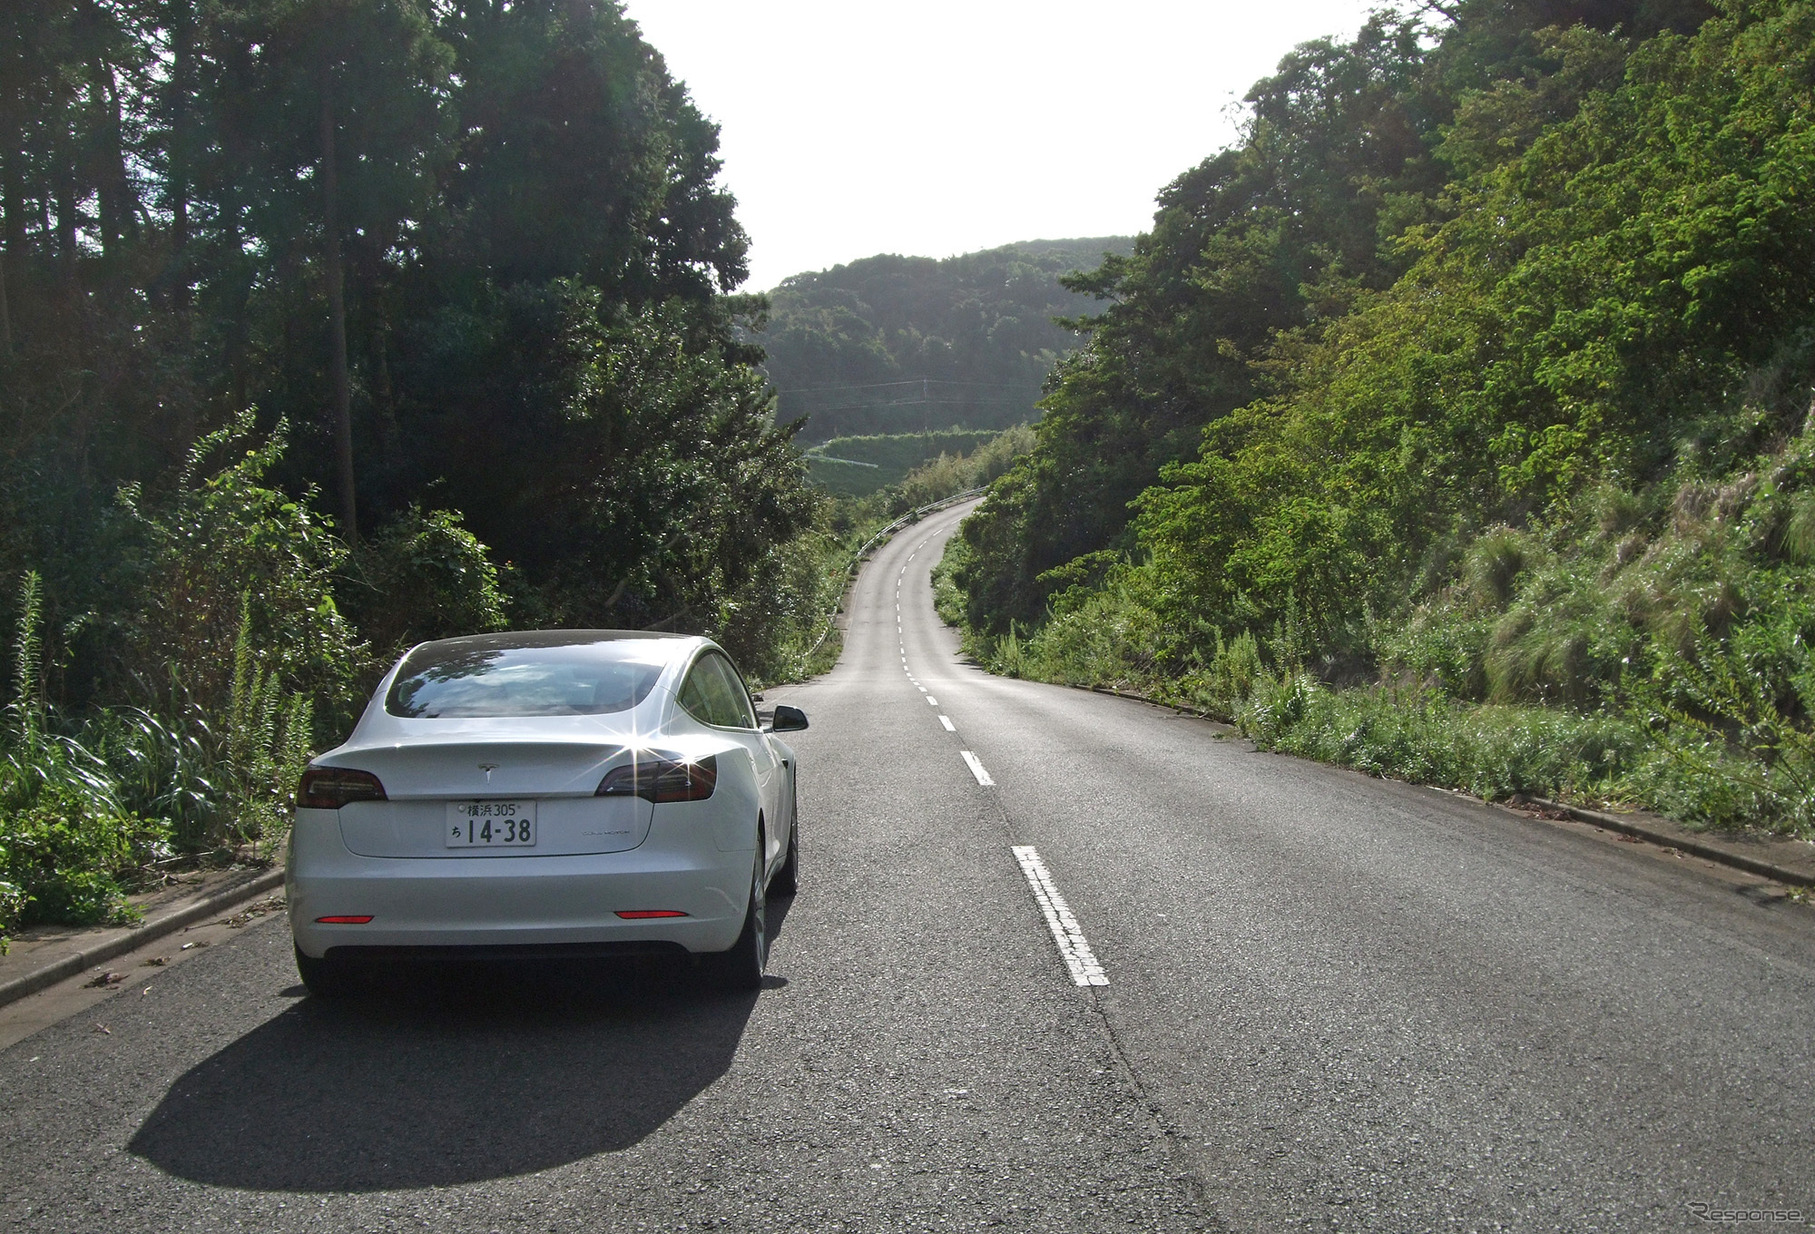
(455, 1075)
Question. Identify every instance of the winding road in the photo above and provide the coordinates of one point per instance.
(1060, 962)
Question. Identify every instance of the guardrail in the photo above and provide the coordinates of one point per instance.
(857, 559)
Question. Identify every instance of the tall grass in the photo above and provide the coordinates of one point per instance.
(65, 833)
(87, 806)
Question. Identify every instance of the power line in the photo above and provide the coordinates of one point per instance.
(935, 402)
(922, 382)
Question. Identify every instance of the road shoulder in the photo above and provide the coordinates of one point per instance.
(46, 955)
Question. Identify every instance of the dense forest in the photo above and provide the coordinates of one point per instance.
(1457, 422)
(891, 345)
(326, 327)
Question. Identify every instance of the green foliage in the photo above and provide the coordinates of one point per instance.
(1110, 636)
(165, 769)
(497, 228)
(1491, 751)
(621, 461)
(950, 474)
(948, 597)
(223, 550)
(1106, 638)
(1274, 234)
(65, 858)
(1235, 670)
(1576, 317)
(420, 577)
(268, 742)
(65, 835)
(790, 600)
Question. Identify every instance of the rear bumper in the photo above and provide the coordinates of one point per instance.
(515, 901)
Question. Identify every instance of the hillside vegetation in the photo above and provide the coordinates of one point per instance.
(1459, 422)
(890, 345)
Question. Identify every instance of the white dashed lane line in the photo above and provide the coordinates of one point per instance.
(970, 759)
(1074, 948)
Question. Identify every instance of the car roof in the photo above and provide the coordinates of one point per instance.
(525, 639)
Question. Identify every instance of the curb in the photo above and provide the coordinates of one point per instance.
(72, 965)
(1191, 712)
(1687, 843)
(1612, 822)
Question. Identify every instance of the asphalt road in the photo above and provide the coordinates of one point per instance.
(1113, 970)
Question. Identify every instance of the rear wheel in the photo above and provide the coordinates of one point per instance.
(741, 968)
(324, 978)
(787, 879)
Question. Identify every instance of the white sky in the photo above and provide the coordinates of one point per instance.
(851, 127)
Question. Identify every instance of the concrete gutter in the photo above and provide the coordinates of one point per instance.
(44, 969)
(1775, 858)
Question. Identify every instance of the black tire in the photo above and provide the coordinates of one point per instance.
(741, 968)
(324, 978)
(787, 879)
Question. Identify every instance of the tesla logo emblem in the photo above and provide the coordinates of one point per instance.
(488, 768)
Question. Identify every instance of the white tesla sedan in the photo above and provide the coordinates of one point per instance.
(544, 794)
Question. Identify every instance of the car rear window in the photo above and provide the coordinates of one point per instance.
(472, 678)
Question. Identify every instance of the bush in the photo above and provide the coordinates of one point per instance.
(163, 769)
(1235, 668)
(773, 625)
(64, 855)
(64, 834)
(1421, 736)
(421, 577)
(225, 550)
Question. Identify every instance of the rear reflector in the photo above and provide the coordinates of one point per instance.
(329, 788)
(343, 920)
(640, 914)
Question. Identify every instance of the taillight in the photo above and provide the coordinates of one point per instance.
(661, 777)
(329, 788)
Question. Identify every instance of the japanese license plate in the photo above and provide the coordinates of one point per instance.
(491, 824)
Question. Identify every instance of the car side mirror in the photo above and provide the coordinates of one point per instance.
(788, 719)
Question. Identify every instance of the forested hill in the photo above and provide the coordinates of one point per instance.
(1481, 370)
(902, 344)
